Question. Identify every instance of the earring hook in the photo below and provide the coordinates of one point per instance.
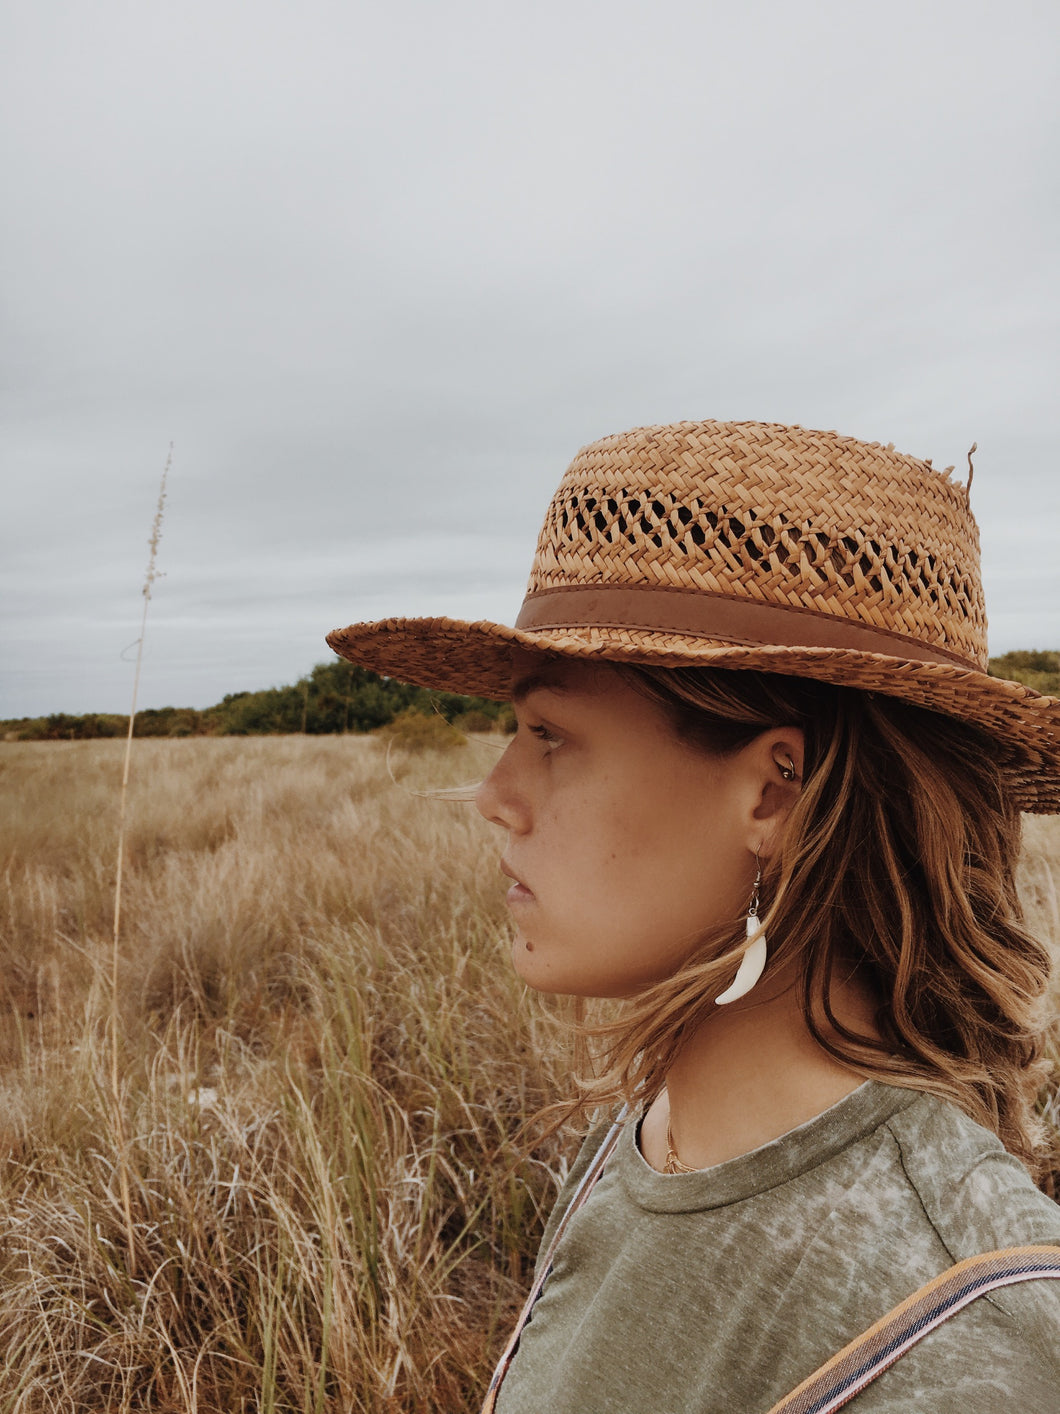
(756, 898)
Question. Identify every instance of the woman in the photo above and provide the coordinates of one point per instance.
(763, 788)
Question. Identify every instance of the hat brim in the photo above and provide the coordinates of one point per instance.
(475, 658)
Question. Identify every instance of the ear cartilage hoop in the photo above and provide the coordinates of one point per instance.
(753, 962)
(788, 772)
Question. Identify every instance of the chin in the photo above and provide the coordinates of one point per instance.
(529, 964)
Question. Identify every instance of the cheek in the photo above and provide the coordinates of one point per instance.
(668, 874)
(652, 854)
(630, 880)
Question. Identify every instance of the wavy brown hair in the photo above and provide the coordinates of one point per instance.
(897, 864)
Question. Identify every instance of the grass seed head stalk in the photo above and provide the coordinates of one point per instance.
(150, 576)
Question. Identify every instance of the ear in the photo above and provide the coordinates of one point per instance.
(777, 758)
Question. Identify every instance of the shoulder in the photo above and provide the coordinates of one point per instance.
(975, 1194)
(978, 1198)
(932, 1189)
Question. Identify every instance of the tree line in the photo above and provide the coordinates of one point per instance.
(341, 697)
(334, 697)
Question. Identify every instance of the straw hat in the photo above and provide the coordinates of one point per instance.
(752, 545)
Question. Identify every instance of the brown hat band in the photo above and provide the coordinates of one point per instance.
(715, 616)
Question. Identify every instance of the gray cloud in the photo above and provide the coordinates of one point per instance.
(379, 270)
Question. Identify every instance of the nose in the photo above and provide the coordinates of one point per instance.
(499, 798)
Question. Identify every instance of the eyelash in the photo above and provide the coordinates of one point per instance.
(543, 734)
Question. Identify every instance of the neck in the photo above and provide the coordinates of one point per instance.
(751, 1073)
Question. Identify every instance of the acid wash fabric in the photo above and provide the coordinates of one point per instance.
(718, 1292)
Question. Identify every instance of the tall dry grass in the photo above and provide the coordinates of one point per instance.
(324, 1057)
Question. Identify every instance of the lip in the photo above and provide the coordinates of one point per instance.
(518, 890)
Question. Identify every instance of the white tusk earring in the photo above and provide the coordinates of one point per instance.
(753, 962)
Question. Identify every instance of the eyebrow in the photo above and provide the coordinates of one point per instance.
(536, 682)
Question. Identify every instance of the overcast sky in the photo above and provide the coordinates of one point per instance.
(379, 269)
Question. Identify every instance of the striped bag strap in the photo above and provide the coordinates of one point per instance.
(875, 1350)
(580, 1196)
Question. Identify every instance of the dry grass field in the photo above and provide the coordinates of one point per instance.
(324, 1058)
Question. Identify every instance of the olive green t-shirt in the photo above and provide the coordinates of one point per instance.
(723, 1289)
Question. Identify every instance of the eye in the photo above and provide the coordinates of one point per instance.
(549, 738)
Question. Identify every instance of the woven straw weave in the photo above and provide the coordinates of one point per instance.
(752, 545)
(777, 515)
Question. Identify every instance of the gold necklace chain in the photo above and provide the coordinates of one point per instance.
(673, 1163)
